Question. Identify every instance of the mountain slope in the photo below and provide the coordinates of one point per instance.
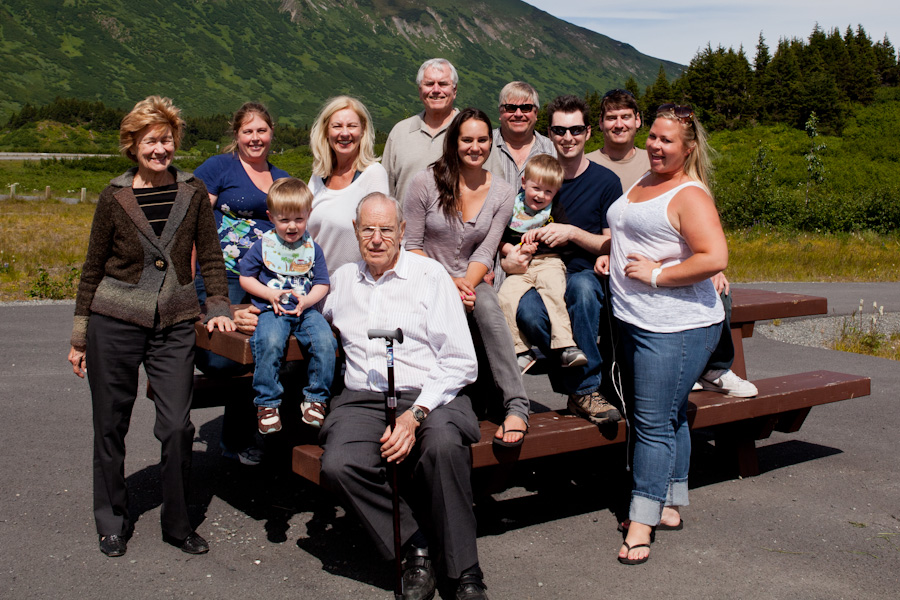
(211, 55)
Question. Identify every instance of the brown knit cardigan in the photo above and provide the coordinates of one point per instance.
(129, 273)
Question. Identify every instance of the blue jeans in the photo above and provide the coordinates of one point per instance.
(585, 299)
(663, 368)
(269, 342)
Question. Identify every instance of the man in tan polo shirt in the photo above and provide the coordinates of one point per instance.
(418, 141)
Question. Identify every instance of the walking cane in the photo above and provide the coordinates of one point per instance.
(390, 410)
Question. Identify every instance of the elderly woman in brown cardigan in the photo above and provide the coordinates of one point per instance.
(136, 305)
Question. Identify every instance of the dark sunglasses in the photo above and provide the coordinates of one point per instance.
(683, 112)
(511, 108)
(617, 91)
(574, 130)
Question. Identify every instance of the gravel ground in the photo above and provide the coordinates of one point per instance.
(822, 331)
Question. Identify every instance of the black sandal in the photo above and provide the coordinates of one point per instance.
(498, 441)
(633, 561)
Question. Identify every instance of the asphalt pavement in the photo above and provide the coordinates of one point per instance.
(821, 521)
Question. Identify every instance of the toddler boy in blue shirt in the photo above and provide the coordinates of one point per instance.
(286, 274)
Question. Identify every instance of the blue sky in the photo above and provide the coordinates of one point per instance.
(677, 30)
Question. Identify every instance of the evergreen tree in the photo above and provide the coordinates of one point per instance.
(634, 87)
(761, 87)
(886, 62)
(822, 97)
(660, 92)
(836, 59)
(787, 105)
(863, 65)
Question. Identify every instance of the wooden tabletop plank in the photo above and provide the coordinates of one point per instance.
(748, 306)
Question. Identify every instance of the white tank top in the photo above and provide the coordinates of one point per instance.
(644, 228)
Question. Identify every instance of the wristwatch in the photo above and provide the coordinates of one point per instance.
(653, 275)
(418, 414)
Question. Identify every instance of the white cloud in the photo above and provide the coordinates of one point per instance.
(676, 33)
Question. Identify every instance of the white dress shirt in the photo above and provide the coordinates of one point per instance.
(418, 296)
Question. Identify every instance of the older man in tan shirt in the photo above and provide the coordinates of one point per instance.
(418, 141)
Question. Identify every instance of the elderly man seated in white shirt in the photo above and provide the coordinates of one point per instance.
(392, 288)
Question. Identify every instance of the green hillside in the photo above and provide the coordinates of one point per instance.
(210, 56)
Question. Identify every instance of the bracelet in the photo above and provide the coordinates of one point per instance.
(653, 275)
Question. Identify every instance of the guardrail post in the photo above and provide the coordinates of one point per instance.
(12, 190)
(83, 195)
(47, 193)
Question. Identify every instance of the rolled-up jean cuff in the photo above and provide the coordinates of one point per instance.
(677, 494)
(645, 510)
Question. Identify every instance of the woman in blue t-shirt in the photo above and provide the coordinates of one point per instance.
(238, 181)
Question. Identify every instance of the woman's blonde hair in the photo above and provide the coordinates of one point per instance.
(245, 112)
(323, 155)
(151, 111)
(698, 165)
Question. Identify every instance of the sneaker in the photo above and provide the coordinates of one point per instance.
(697, 387)
(572, 357)
(526, 360)
(268, 419)
(313, 412)
(725, 381)
(594, 408)
(250, 456)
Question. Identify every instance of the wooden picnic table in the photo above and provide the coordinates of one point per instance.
(782, 403)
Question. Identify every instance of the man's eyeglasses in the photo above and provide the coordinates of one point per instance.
(574, 130)
(682, 112)
(512, 108)
(387, 233)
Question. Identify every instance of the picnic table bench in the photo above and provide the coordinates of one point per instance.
(782, 403)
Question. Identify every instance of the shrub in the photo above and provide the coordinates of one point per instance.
(46, 287)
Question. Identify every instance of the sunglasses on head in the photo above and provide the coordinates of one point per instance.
(561, 131)
(617, 91)
(683, 112)
(511, 108)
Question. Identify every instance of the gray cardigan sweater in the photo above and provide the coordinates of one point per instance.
(131, 274)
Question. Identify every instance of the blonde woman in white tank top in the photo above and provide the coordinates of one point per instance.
(667, 242)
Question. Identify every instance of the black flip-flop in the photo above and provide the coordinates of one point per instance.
(633, 561)
(498, 441)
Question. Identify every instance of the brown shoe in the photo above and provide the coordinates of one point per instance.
(594, 408)
(268, 420)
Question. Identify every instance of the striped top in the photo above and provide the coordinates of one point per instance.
(157, 203)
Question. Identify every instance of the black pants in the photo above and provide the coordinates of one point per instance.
(723, 356)
(115, 351)
(440, 466)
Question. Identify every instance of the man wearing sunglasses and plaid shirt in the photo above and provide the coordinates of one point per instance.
(515, 141)
(587, 192)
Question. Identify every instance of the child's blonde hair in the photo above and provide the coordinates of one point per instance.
(544, 169)
(289, 195)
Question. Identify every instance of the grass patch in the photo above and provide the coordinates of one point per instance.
(37, 235)
(761, 255)
(862, 334)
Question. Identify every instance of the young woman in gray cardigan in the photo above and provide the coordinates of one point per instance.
(456, 213)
